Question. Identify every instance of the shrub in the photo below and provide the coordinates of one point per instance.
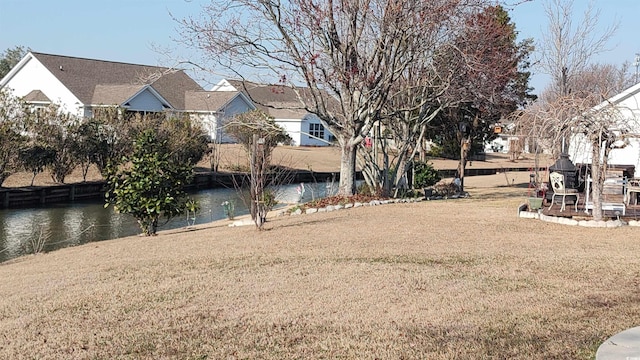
(425, 175)
(151, 186)
(446, 189)
(367, 190)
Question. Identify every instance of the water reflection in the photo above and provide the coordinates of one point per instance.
(82, 222)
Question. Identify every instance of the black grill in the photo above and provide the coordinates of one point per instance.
(565, 167)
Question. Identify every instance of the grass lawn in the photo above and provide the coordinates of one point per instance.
(457, 279)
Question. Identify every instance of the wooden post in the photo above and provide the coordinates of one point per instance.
(5, 202)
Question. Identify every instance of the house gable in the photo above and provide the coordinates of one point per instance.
(281, 103)
(82, 83)
(30, 76)
(82, 76)
(36, 97)
(147, 99)
(214, 108)
(628, 104)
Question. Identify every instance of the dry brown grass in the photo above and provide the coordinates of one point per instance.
(463, 279)
(319, 159)
(232, 158)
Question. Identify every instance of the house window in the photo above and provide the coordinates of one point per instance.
(316, 130)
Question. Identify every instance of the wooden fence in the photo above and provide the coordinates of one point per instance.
(66, 193)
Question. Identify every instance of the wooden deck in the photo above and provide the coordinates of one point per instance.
(632, 211)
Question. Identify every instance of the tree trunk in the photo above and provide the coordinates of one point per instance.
(347, 168)
(253, 181)
(462, 165)
(597, 180)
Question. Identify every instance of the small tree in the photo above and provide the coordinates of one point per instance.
(187, 140)
(112, 137)
(55, 129)
(425, 175)
(259, 135)
(35, 157)
(86, 145)
(11, 139)
(150, 185)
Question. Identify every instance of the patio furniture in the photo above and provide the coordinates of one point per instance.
(557, 184)
(611, 206)
(632, 191)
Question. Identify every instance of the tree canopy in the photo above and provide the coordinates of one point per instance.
(347, 54)
(10, 58)
(150, 185)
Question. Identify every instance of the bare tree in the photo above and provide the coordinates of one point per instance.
(595, 127)
(259, 135)
(599, 130)
(12, 114)
(574, 104)
(568, 46)
(348, 54)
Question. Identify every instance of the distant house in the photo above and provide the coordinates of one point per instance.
(214, 109)
(627, 104)
(282, 103)
(82, 85)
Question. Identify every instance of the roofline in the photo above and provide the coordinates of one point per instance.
(616, 99)
(245, 98)
(108, 61)
(29, 56)
(238, 93)
(153, 91)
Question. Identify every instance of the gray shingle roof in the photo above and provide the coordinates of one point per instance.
(113, 94)
(36, 96)
(98, 81)
(279, 101)
(208, 100)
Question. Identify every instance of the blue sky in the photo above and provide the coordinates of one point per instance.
(131, 30)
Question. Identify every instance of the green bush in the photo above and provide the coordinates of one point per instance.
(425, 175)
(151, 185)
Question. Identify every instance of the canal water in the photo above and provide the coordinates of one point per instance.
(60, 226)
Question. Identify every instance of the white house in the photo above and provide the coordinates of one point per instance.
(213, 109)
(81, 85)
(282, 103)
(627, 114)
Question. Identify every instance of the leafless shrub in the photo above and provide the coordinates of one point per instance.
(38, 242)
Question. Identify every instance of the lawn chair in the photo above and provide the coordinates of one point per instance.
(631, 191)
(557, 184)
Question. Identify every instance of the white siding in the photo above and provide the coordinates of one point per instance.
(208, 122)
(292, 127)
(298, 129)
(213, 121)
(34, 76)
(580, 153)
(580, 149)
